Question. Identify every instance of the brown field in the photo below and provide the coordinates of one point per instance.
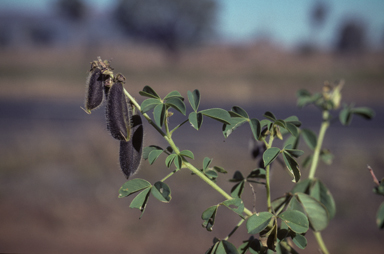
(59, 173)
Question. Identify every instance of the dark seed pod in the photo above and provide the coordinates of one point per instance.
(118, 113)
(95, 86)
(131, 151)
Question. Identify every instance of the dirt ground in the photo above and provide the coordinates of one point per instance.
(59, 173)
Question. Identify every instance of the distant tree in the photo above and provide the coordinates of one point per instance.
(318, 14)
(74, 10)
(168, 24)
(351, 37)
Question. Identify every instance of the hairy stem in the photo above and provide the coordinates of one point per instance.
(320, 139)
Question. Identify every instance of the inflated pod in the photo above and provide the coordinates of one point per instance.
(131, 151)
(95, 87)
(118, 112)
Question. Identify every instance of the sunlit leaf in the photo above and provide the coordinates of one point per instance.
(149, 104)
(239, 111)
(292, 129)
(170, 159)
(270, 116)
(187, 153)
(295, 220)
(316, 212)
(161, 191)
(206, 163)
(255, 127)
(178, 161)
(177, 104)
(235, 204)
(300, 241)
(225, 247)
(133, 186)
(149, 149)
(310, 138)
(292, 166)
(237, 189)
(270, 155)
(149, 92)
(258, 222)
(218, 114)
(196, 120)
(208, 217)
(220, 169)
(194, 99)
(173, 94)
(153, 155)
(159, 114)
(140, 201)
(234, 123)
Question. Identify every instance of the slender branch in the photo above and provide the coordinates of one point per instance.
(169, 175)
(321, 243)
(375, 180)
(234, 230)
(316, 153)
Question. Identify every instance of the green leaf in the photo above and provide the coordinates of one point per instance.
(211, 174)
(209, 216)
(149, 149)
(316, 212)
(170, 159)
(239, 111)
(237, 177)
(220, 169)
(255, 127)
(321, 193)
(225, 247)
(237, 189)
(133, 186)
(159, 114)
(364, 112)
(252, 245)
(194, 99)
(196, 120)
(326, 156)
(218, 114)
(161, 191)
(295, 220)
(310, 138)
(380, 216)
(153, 155)
(280, 123)
(302, 186)
(292, 129)
(178, 162)
(292, 166)
(234, 123)
(345, 115)
(293, 120)
(270, 155)
(177, 104)
(149, 92)
(235, 204)
(173, 94)
(206, 163)
(149, 104)
(270, 116)
(294, 152)
(292, 140)
(140, 201)
(257, 173)
(258, 222)
(300, 241)
(187, 153)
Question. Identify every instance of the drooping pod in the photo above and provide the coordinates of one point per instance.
(95, 87)
(118, 113)
(131, 151)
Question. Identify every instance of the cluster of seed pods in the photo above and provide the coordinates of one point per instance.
(123, 123)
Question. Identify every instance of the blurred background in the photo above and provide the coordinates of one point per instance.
(59, 172)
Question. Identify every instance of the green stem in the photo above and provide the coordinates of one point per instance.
(267, 177)
(186, 164)
(316, 153)
(169, 175)
(234, 230)
(321, 243)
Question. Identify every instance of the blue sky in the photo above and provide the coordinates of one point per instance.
(283, 21)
